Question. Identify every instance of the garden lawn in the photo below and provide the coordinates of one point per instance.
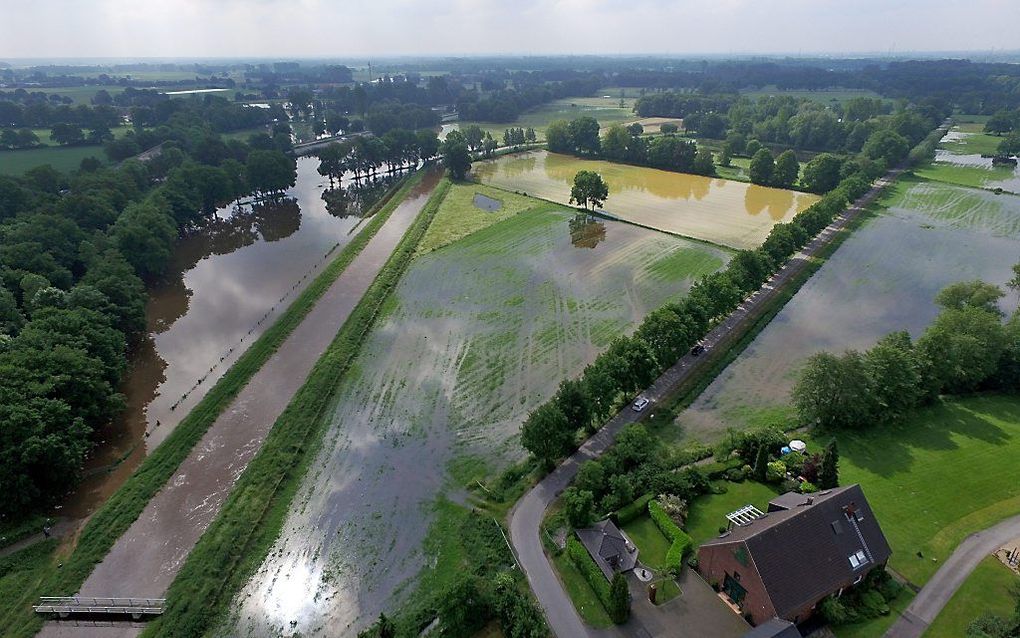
(581, 594)
(458, 216)
(986, 590)
(937, 477)
(708, 512)
(652, 545)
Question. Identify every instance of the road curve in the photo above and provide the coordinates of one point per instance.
(527, 515)
(926, 606)
(145, 559)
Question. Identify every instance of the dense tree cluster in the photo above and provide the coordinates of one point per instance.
(365, 155)
(967, 348)
(74, 251)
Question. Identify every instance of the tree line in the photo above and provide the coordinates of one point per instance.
(365, 155)
(968, 348)
(75, 251)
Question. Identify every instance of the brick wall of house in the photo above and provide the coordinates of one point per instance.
(716, 561)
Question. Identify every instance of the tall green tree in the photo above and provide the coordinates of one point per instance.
(456, 157)
(787, 170)
(619, 599)
(762, 167)
(971, 294)
(822, 173)
(589, 190)
(761, 463)
(572, 399)
(579, 506)
(584, 135)
(964, 347)
(828, 472)
(835, 391)
(547, 434)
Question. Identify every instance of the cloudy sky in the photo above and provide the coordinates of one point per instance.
(241, 28)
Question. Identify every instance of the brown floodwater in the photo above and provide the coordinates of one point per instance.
(226, 283)
(721, 211)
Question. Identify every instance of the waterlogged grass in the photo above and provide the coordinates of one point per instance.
(253, 516)
(972, 176)
(904, 468)
(973, 141)
(958, 207)
(987, 590)
(117, 514)
(458, 215)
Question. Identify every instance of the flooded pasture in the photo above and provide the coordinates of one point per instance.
(476, 335)
(882, 279)
(225, 284)
(954, 153)
(725, 212)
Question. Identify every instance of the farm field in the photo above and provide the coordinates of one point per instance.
(79, 94)
(973, 441)
(924, 236)
(475, 336)
(720, 211)
(460, 215)
(986, 590)
(959, 161)
(606, 110)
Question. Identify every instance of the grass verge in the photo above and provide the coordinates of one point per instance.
(127, 503)
(986, 590)
(253, 516)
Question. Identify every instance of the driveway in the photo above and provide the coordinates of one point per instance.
(933, 597)
(527, 516)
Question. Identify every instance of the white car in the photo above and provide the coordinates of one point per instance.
(640, 404)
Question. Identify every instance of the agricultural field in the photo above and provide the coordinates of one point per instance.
(715, 210)
(923, 236)
(62, 158)
(606, 110)
(959, 161)
(475, 336)
(973, 440)
(79, 94)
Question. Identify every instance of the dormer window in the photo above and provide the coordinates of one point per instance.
(858, 559)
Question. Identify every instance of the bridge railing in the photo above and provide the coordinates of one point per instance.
(91, 605)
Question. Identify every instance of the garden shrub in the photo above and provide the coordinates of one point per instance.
(682, 543)
(775, 471)
(808, 487)
(591, 572)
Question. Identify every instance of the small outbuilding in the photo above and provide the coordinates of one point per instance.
(774, 628)
(609, 547)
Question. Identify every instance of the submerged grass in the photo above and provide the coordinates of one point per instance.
(254, 513)
(127, 503)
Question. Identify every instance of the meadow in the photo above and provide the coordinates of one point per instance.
(475, 336)
(719, 211)
(606, 110)
(62, 158)
(972, 599)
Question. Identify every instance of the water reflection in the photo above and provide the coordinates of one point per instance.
(586, 231)
(225, 284)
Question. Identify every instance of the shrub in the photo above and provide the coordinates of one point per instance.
(736, 475)
(619, 600)
(591, 572)
(833, 611)
(775, 471)
(630, 512)
(808, 487)
(682, 543)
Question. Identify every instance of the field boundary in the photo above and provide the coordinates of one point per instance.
(108, 523)
(253, 516)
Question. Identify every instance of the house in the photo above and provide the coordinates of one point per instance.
(774, 628)
(610, 548)
(783, 562)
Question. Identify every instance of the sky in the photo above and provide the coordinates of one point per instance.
(360, 28)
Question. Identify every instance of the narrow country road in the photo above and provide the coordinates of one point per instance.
(922, 611)
(527, 515)
(144, 561)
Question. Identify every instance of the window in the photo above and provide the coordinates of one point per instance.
(837, 527)
(854, 562)
(858, 559)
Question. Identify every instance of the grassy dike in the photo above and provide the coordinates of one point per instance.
(253, 516)
(127, 503)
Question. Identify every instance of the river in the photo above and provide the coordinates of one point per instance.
(225, 284)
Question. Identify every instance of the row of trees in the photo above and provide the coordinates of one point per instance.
(74, 252)
(967, 348)
(631, 363)
(365, 155)
(622, 144)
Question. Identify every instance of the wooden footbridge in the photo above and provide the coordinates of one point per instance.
(90, 606)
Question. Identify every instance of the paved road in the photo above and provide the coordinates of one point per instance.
(933, 597)
(529, 512)
(144, 561)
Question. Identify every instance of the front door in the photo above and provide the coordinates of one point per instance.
(733, 589)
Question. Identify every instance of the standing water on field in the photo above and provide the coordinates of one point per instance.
(225, 284)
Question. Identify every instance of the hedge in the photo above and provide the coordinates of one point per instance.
(719, 469)
(591, 572)
(682, 542)
(630, 512)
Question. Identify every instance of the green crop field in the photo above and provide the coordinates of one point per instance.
(62, 158)
(458, 216)
(80, 94)
(937, 477)
(986, 590)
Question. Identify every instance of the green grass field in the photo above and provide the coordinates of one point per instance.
(937, 477)
(972, 176)
(80, 94)
(581, 594)
(606, 110)
(62, 158)
(986, 590)
(458, 216)
(708, 513)
(976, 143)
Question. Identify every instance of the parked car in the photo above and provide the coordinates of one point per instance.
(640, 404)
(698, 349)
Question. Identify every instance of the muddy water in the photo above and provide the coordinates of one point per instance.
(225, 285)
(479, 334)
(882, 279)
(721, 211)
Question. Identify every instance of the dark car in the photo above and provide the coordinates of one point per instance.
(698, 349)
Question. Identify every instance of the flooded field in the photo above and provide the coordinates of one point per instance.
(225, 285)
(720, 211)
(883, 278)
(959, 161)
(477, 334)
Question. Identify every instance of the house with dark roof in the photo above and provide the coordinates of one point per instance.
(783, 562)
(609, 547)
